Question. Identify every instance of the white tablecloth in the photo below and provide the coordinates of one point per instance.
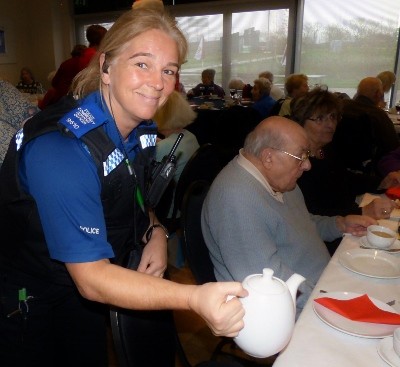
(316, 344)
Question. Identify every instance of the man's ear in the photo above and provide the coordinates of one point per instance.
(266, 156)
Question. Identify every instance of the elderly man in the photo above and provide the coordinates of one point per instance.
(207, 86)
(365, 133)
(254, 215)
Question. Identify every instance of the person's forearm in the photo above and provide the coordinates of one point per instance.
(107, 283)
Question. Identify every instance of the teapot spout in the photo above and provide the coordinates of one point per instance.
(293, 284)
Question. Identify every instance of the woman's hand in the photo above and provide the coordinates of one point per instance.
(154, 258)
(379, 208)
(224, 318)
(392, 179)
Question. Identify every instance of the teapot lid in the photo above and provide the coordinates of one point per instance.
(265, 283)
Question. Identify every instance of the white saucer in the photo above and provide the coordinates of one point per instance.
(371, 263)
(387, 353)
(394, 249)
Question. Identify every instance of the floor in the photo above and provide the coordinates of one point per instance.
(197, 340)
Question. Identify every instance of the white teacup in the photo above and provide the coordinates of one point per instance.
(380, 236)
(396, 341)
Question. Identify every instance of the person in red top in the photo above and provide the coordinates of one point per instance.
(62, 79)
(94, 35)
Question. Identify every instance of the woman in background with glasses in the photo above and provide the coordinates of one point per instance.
(329, 188)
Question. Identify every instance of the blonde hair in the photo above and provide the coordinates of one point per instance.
(127, 27)
(294, 81)
(387, 78)
(176, 113)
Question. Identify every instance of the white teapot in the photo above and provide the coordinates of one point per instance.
(270, 313)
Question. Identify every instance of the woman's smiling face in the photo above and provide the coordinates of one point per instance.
(141, 78)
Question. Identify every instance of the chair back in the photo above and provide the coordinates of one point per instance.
(205, 164)
(276, 107)
(145, 338)
(234, 124)
(195, 248)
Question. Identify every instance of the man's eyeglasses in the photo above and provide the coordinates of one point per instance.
(305, 156)
(324, 118)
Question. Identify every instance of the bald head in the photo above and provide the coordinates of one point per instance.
(278, 148)
(371, 88)
(275, 131)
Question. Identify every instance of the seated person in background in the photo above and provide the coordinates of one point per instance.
(263, 102)
(389, 162)
(62, 79)
(94, 34)
(365, 133)
(254, 215)
(239, 84)
(179, 87)
(388, 78)
(329, 188)
(14, 110)
(27, 82)
(276, 92)
(207, 86)
(296, 85)
(171, 120)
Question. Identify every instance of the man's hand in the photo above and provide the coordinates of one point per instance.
(224, 318)
(354, 224)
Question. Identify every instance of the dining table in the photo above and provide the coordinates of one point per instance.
(395, 118)
(322, 337)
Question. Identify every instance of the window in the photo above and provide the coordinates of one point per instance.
(344, 41)
(337, 43)
(238, 40)
(204, 34)
(259, 43)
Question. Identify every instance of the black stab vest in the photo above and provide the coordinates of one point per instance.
(24, 249)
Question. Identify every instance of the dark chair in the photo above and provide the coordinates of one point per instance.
(195, 249)
(204, 164)
(138, 334)
(201, 265)
(203, 127)
(150, 338)
(276, 107)
(233, 126)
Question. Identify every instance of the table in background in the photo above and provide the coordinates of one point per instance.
(396, 121)
(314, 343)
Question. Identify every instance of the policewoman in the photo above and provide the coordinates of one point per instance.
(73, 207)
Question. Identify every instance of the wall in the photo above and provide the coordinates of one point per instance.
(42, 36)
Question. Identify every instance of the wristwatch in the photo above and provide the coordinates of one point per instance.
(149, 231)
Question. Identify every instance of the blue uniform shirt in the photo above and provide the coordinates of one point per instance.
(62, 178)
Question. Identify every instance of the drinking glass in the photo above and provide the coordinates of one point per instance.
(202, 89)
(239, 94)
(398, 107)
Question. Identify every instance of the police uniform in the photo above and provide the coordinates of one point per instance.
(67, 195)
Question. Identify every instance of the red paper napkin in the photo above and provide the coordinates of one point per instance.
(360, 309)
(393, 192)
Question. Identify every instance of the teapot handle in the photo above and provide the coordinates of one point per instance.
(229, 297)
